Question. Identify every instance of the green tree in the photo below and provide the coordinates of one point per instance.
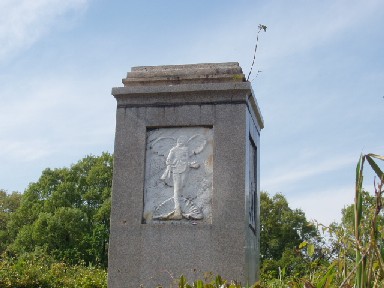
(8, 205)
(66, 212)
(282, 231)
(368, 210)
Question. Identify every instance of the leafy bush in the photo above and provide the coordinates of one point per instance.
(37, 269)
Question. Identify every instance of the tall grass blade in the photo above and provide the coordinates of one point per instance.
(375, 167)
(358, 207)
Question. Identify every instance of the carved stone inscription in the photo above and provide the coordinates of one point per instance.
(178, 174)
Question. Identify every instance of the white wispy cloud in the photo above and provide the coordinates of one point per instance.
(55, 114)
(324, 205)
(314, 25)
(23, 22)
(320, 200)
(292, 30)
(28, 151)
(296, 171)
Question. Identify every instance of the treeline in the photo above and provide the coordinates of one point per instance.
(56, 234)
(62, 219)
(65, 213)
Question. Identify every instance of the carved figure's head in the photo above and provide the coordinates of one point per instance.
(182, 141)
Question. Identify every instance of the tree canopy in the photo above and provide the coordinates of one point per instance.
(66, 213)
(8, 205)
(282, 231)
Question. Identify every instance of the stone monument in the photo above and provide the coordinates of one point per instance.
(185, 197)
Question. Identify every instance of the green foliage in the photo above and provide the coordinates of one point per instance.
(66, 212)
(56, 235)
(9, 203)
(281, 227)
(217, 282)
(282, 231)
(37, 269)
(353, 254)
(369, 258)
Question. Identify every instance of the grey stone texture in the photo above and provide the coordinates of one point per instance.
(198, 95)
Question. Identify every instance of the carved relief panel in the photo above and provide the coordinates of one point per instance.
(178, 175)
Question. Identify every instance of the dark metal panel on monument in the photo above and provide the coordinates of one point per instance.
(185, 196)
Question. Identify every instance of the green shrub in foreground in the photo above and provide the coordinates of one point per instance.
(39, 270)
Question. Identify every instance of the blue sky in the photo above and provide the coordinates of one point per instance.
(320, 90)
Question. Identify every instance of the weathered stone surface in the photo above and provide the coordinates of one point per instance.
(181, 74)
(185, 100)
(178, 175)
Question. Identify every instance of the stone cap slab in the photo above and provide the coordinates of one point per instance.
(184, 74)
(153, 81)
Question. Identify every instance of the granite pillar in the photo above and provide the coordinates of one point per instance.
(185, 196)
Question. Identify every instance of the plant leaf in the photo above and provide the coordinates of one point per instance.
(375, 167)
(182, 281)
(376, 156)
(198, 284)
(303, 244)
(311, 249)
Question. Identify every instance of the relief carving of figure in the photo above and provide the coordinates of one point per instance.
(178, 165)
